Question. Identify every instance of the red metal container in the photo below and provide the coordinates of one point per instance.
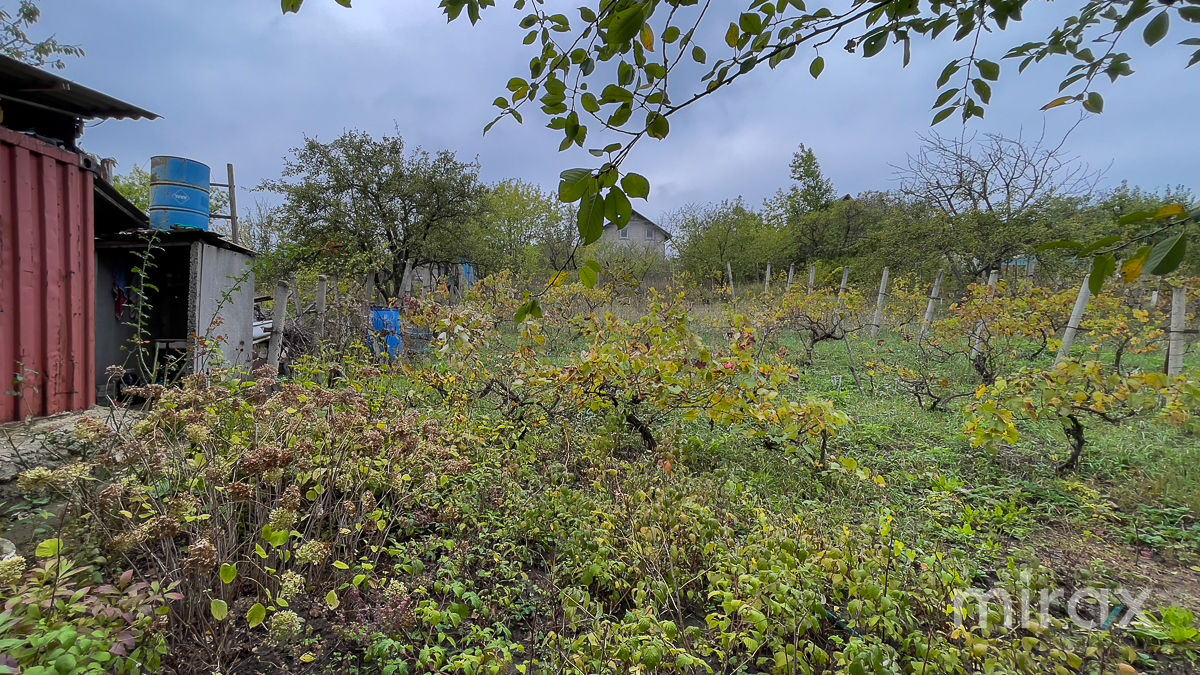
(47, 280)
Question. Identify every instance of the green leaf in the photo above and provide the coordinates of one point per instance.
(589, 274)
(636, 186)
(983, 90)
(989, 70)
(698, 55)
(1157, 28)
(590, 221)
(331, 599)
(874, 44)
(573, 184)
(948, 72)
(750, 22)
(816, 67)
(942, 115)
(626, 24)
(48, 548)
(291, 5)
(1094, 103)
(256, 615)
(617, 208)
(657, 126)
(1102, 267)
(527, 310)
(1190, 14)
(1135, 217)
(1097, 245)
(219, 609)
(1166, 255)
(340, 565)
(228, 573)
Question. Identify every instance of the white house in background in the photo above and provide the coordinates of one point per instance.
(640, 232)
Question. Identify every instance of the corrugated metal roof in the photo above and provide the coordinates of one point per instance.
(33, 86)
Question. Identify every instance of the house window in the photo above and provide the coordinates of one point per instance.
(624, 233)
(649, 234)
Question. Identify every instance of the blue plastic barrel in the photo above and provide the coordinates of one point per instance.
(387, 332)
(179, 193)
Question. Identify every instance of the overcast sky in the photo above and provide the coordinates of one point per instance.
(236, 81)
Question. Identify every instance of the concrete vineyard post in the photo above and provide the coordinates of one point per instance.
(1081, 301)
(934, 296)
(1176, 345)
(980, 327)
(369, 289)
(812, 278)
(234, 230)
(406, 280)
(791, 271)
(767, 280)
(278, 319)
(322, 291)
(296, 297)
(729, 271)
(879, 302)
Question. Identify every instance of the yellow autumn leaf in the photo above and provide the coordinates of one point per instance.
(1131, 271)
(1061, 100)
(647, 37)
(1170, 211)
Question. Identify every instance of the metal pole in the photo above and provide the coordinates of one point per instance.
(233, 214)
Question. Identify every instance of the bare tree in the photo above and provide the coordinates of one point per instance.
(998, 195)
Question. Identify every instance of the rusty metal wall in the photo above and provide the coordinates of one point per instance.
(47, 280)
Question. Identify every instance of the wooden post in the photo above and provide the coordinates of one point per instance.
(1081, 301)
(934, 296)
(812, 278)
(791, 271)
(275, 344)
(322, 291)
(233, 218)
(729, 271)
(767, 280)
(883, 284)
(1176, 345)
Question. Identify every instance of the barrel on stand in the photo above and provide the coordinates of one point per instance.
(179, 193)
